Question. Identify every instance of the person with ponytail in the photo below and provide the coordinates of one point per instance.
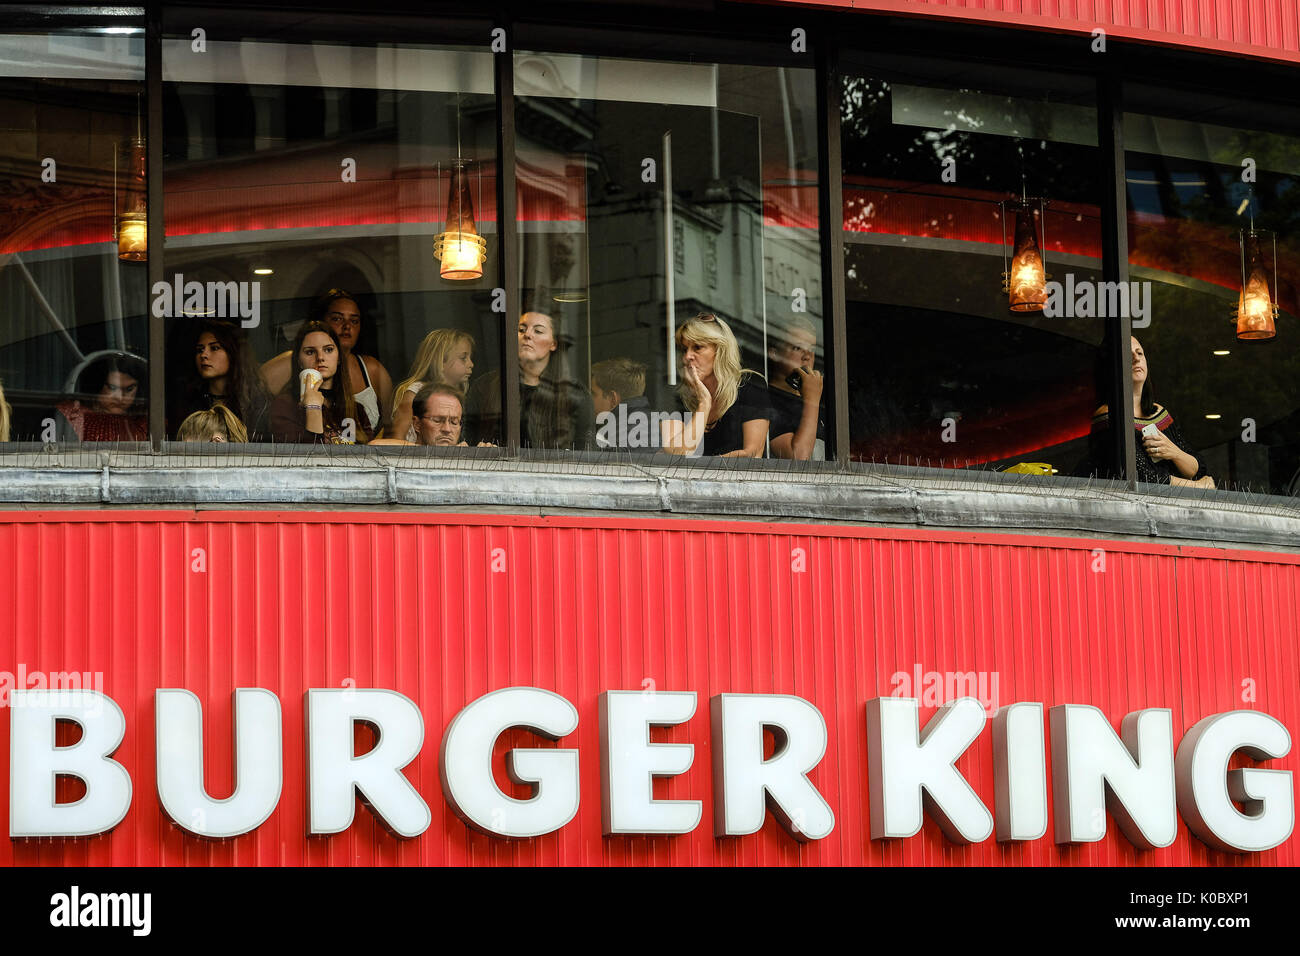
(554, 408)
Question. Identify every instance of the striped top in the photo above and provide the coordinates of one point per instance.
(1154, 472)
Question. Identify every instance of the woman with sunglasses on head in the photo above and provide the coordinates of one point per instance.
(730, 405)
(369, 382)
(314, 408)
(445, 357)
(220, 369)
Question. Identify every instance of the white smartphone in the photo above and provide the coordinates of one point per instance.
(1150, 431)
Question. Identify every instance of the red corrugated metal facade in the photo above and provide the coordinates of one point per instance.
(411, 602)
(1260, 28)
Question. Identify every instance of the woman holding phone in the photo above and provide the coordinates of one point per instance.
(1161, 448)
(796, 393)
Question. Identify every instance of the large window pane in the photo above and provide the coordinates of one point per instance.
(1201, 171)
(943, 371)
(651, 192)
(73, 333)
(328, 161)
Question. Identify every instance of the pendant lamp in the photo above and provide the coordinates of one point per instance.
(1024, 278)
(130, 201)
(1257, 309)
(459, 247)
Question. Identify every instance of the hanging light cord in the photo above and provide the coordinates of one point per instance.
(460, 168)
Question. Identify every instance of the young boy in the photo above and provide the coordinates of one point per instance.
(622, 412)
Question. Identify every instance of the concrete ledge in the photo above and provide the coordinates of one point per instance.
(931, 498)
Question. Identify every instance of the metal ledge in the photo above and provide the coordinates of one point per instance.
(468, 480)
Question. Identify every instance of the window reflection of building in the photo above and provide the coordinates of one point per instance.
(603, 138)
(67, 102)
(941, 371)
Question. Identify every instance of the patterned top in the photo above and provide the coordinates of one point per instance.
(88, 424)
(1153, 472)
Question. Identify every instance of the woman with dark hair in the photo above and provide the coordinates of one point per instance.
(370, 384)
(314, 408)
(554, 411)
(1161, 458)
(220, 368)
(116, 393)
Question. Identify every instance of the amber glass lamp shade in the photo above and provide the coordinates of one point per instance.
(460, 248)
(1026, 282)
(130, 200)
(1256, 312)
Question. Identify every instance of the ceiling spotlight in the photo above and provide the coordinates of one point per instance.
(1213, 417)
(263, 272)
(1222, 352)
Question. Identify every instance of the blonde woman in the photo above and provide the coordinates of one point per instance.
(215, 424)
(445, 357)
(731, 407)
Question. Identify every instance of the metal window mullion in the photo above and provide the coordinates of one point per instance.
(831, 225)
(155, 229)
(508, 230)
(1114, 254)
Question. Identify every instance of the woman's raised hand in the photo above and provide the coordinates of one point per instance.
(810, 384)
(1159, 447)
(703, 399)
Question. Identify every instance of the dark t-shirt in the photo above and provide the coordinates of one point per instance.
(787, 412)
(255, 420)
(288, 423)
(527, 394)
(554, 414)
(728, 432)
